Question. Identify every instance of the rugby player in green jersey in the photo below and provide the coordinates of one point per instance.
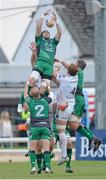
(39, 126)
(32, 83)
(75, 119)
(46, 50)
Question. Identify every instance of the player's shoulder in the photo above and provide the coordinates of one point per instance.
(47, 99)
(80, 72)
(42, 99)
(74, 78)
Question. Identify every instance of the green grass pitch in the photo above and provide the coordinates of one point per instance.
(82, 170)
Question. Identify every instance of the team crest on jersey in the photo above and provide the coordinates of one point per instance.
(48, 47)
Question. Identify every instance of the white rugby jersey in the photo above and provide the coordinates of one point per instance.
(67, 88)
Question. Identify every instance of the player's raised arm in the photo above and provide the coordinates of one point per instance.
(66, 65)
(26, 89)
(34, 53)
(39, 24)
(58, 34)
(55, 74)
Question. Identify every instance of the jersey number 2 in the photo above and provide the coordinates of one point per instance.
(39, 109)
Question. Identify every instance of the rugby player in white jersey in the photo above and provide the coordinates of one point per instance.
(65, 103)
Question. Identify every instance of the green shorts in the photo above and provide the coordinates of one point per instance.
(79, 105)
(37, 133)
(44, 68)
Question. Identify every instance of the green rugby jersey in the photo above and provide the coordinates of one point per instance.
(39, 108)
(22, 100)
(80, 80)
(46, 49)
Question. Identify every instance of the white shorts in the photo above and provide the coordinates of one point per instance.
(37, 76)
(65, 115)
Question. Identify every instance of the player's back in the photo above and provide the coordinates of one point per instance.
(67, 88)
(39, 108)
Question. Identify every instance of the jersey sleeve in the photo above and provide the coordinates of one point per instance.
(55, 41)
(48, 99)
(38, 40)
(28, 100)
(80, 80)
(22, 100)
(60, 77)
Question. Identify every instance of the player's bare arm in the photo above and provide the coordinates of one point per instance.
(66, 65)
(26, 89)
(58, 34)
(55, 73)
(34, 53)
(39, 24)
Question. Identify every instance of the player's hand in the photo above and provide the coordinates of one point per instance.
(54, 16)
(62, 107)
(57, 60)
(32, 47)
(47, 12)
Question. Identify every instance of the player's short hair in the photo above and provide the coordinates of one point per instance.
(81, 64)
(72, 69)
(44, 31)
(34, 92)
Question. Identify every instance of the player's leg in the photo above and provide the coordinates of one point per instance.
(32, 156)
(47, 74)
(52, 155)
(39, 156)
(61, 122)
(34, 138)
(74, 123)
(46, 136)
(63, 117)
(69, 155)
(37, 76)
(52, 143)
(37, 71)
(76, 117)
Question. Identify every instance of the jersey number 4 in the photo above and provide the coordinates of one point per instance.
(73, 91)
(39, 110)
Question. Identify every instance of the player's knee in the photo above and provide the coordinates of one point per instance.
(35, 74)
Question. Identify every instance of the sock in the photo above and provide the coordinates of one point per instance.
(85, 132)
(63, 144)
(32, 158)
(69, 154)
(39, 160)
(52, 155)
(43, 162)
(47, 159)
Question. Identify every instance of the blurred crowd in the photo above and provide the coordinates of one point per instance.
(11, 127)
